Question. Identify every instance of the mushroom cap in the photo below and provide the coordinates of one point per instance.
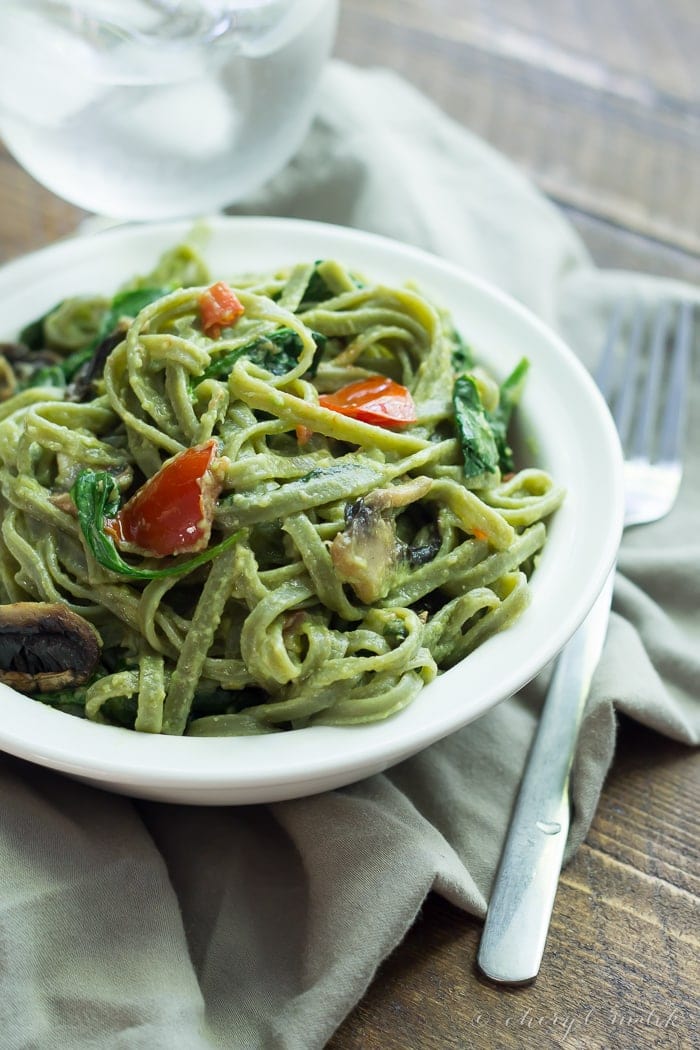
(46, 646)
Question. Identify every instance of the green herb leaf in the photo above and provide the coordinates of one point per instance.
(96, 497)
(32, 335)
(124, 304)
(510, 393)
(130, 304)
(278, 352)
(476, 436)
(47, 375)
(462, 356)
(317, 291)
(71, 364)
(320, 340)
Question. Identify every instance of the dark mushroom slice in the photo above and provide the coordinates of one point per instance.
(82, 386)
(367, 552)
(45, 646)
(18, 364)
(20, 353)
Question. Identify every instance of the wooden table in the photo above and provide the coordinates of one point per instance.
(600, 104)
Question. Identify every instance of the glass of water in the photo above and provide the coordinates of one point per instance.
(150, 109)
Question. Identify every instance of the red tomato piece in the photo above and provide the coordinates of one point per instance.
(172, 513)
(378, 400)
(218, 307)
(304, 434)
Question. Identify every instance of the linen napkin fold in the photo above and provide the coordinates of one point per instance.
(127, 924)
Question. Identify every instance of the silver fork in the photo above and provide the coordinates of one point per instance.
(649, 411)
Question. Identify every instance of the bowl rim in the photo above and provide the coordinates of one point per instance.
(313, 759)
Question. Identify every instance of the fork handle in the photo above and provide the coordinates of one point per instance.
(522, 898)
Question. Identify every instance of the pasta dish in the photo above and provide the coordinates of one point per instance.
(244, 506)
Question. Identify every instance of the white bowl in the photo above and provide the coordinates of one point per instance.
(564, 418)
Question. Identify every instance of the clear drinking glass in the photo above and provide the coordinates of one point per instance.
(147, 109)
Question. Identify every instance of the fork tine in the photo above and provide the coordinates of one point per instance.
(606, 364)
(624, 403)
(673, 423)
(641, 443)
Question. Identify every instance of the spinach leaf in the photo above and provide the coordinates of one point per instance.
(462, 356)
(476, 436)
(47, 375)
(277, 352)
(32, 335)
(510, 392)
(320, 340)
(317, 291)
(96, 497)
(124, 304)
(129, 304)
(121, 710)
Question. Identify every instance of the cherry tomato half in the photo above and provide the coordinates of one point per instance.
(378, 400)
(172, 513)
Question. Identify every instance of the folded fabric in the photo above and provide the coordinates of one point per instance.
(127, 924)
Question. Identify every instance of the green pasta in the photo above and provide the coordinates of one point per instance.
(280, 501)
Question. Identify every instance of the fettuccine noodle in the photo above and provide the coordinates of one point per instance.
(361, 560)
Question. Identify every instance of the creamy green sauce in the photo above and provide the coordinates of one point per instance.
(307, 619)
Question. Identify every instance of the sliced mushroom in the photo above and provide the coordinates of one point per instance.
(82, 386)
(20, 353)
(423, 550)
(367, 552)
(45, 646)
(22, 363)
(64, 502)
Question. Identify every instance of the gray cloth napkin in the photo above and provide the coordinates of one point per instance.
(143, 925)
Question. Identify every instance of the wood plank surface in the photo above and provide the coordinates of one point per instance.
(599, 102)
(621, 965)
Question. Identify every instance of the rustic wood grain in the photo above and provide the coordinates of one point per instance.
(598, 102)
(621, 967)
(30, 216)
